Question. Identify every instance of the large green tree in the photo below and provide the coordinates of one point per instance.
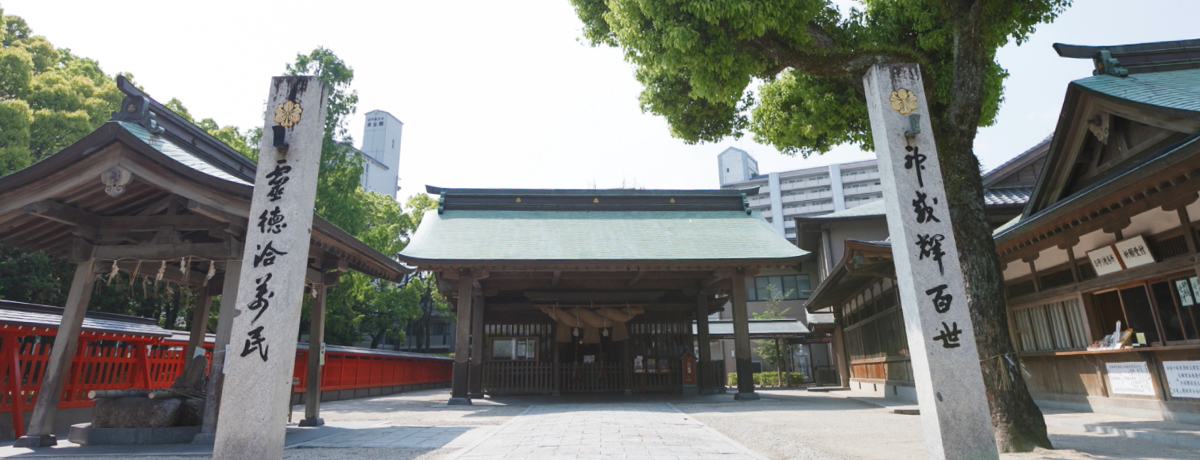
(49, 97)
(358, 305)
(698, 62)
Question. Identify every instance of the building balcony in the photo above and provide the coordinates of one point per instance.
(848, 178)
(801, 184)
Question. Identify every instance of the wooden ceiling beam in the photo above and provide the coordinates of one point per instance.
(62, 213)
(208, 251)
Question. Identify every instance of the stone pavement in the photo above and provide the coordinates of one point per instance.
(412, 437)
(606, 430)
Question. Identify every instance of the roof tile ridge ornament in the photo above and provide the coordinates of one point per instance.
(442, 202)
(136, 109)
(1108, 65)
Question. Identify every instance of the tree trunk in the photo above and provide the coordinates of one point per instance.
(375, 339)
(1018, 423)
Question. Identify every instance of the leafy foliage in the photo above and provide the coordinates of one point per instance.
(698, 61)
(49, 97)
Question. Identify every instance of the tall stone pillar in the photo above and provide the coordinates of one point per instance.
(41, 423)
(704, 366)
(256, 398)
(941, 337)
(316, 359)
(459, 384)
(741, 338)
(476, 379)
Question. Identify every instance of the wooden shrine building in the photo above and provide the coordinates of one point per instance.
(592, 290)
(1101, 266)
(152, 195)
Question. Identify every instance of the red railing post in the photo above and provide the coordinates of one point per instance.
(139, 354)
(12, 355)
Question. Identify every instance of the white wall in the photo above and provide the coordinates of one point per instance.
(381, 144)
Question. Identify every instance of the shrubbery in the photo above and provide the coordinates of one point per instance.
(769, 379)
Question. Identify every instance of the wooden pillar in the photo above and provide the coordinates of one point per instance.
(841, 356)
(316, 351)
(476, 376)
(462, 342)
(778, 363)
(555, 366)
(41, 423)
(741, 338)
(216, 376)
(199, 328)
(704, 366)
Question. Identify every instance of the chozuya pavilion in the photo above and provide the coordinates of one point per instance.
(593, 290)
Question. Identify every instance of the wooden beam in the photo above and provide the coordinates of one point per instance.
(209, 251)
(638, 277)
(181, 222)
(59, 212)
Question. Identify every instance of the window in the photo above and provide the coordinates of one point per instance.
(783, 287)
(1163, 310)
(1048, 327)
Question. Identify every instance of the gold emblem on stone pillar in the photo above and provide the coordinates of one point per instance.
(288, 114)
(904, 101)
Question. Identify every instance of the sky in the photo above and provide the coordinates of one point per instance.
(507, 94)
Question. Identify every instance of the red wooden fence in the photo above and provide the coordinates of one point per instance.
(118, 362)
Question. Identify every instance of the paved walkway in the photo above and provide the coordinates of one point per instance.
(611, 431)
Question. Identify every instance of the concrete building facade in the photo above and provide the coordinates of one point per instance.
(783, 196)
(381, 153)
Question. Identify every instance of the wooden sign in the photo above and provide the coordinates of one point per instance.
(1134, 252)
(1104, 260)
(941, 339)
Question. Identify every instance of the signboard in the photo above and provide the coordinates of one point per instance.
(1130, 379)
(1183, 378)
(1129, 253)
(1104, 260)
(1134, 252)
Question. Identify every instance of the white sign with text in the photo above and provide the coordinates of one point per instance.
(1183, 378)
(1130, 379)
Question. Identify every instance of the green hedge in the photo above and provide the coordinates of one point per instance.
(769, 379)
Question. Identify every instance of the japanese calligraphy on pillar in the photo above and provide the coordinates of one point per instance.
(950, 391)
(258, 370)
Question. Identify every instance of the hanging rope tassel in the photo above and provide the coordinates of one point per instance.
(212, 271)
(162, 270)
(112, 275)
(136, 269)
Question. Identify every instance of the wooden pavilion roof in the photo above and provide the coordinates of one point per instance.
(136, 190)
(652, 249)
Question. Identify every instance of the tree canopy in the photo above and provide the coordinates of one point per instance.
(699, 62)
(49, 97)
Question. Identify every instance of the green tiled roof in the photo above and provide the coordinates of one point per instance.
(1178, 90)
(874, 208)
(513, 236)
(179, 154)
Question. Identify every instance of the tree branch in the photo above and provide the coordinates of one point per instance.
(825, 61)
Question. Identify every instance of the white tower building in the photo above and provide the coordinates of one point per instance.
(381, 152)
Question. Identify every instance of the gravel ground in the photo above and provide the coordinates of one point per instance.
(801, 425)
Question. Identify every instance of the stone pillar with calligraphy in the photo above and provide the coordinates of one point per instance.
(255, 398)
(941, 339)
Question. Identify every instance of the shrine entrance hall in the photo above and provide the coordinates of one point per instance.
(594, 291)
